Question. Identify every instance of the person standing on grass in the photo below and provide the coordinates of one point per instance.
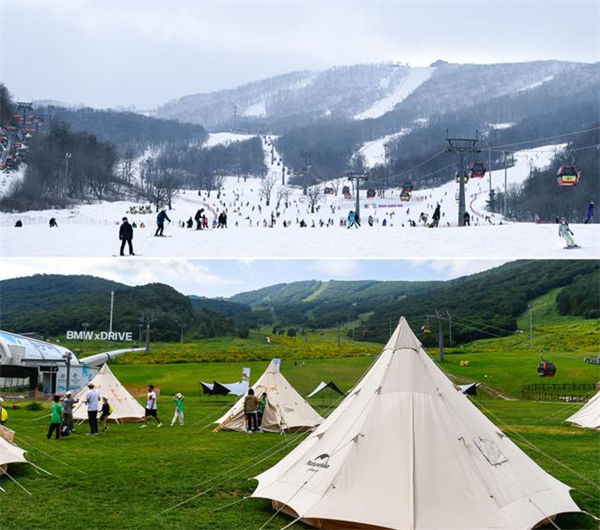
(260, 409)
(178, 399)
(151, 408)
(250, 410)
(68, 403)
(104, 413)
(92, 400)
(55, 422)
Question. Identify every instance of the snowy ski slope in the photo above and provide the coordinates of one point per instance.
(92, 230)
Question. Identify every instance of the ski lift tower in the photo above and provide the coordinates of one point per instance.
(460, 146)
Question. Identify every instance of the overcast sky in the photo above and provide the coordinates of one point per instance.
(213, 278)
(144, 53)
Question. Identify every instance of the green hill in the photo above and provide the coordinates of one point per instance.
(53, 304)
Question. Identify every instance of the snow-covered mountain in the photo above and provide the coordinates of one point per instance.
(369, 91)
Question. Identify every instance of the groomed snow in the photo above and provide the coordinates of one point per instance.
(501, 126)
(92, 230)
(225, 138)
(373, 152)
(415, 78)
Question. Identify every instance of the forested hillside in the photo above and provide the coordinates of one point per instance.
(53, 304)
(129, 132)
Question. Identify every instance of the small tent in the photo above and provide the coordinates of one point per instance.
(470, 389)
(286, 409)
(10, 453)
(588, 416)
(406, 449)
(323, 385)
(236, 389)
(125, 406)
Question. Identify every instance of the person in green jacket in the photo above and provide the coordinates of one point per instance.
(178, 399)
(260, 409)
(56, 421)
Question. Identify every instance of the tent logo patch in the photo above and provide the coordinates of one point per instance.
(321, 461)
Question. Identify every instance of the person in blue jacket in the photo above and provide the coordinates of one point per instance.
(590, 213)
(160, 221)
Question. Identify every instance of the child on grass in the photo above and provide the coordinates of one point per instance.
(56, 420)
(104, 413)
(178, 399)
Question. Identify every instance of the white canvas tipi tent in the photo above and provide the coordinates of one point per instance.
(125, 407)
(286, 409)
(588, 416)
(406, 449)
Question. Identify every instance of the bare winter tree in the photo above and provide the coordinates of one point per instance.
(335, 185)
(283, 194)
(314, 197)
(266, 187)
(126, 166)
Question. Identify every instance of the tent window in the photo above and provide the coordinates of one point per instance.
(490, 450)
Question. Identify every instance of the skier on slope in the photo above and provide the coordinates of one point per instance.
(160, 223)
(198, 218)
(590, 213)
(435, 217)
(565, 232)
(126, 236)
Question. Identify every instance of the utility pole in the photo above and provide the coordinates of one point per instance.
(306, 155)
(68, 156)
(147, 320)
(357, 176)
(112, 306)
(181, 328)
(449, 327)
(440, 318)
(84, 325)
(68, 356)
(505, 183)
(530, 325)
(460, 146)
(490, 169)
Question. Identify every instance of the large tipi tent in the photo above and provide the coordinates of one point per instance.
(286, 409)
(588, 416)
(406, 449)
(125, 407)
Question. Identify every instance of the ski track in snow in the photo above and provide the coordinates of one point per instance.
(415, 78)
(374, 151)
(92, 230)
(225, 138)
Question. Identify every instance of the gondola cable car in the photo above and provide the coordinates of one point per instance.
(568, 175)
(478, 169)
(545, 368)
(407, 186)
(405, 196)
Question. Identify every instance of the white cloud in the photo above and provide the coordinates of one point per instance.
(189, 277)
(455, 268)
(338, 268)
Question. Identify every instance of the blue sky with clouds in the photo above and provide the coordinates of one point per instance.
(144, 53)
(227, 277)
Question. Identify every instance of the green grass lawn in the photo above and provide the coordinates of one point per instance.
(126, 477)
